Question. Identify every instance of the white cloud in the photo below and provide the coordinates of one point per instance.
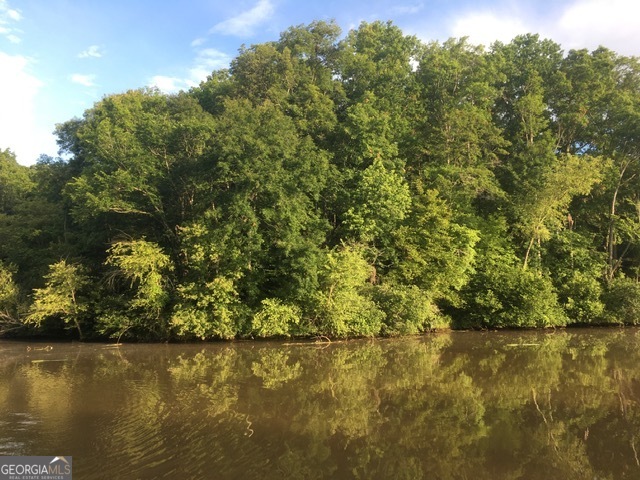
(8, 16)
(205, 62)
(484, 28)
(243, 25)
(573, 24)
(589, 23)
(198, 41)
(92, 52)
(19, 127)
(407, 9)
(170, 84)
(6, 12)
(84, 80)
(9, 13)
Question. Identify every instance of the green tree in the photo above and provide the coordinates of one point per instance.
(408, 309)
(436, 253)
(135, 151)
(460, 144)
(618, 133)
(276, 319)
(37, 231)
(380, 203)
(577, 265)
(146, 268)
(15, 182)
(587, 82)
(344, 301)
(458, 88)
(546, 207)
(376, 66)
(212, 310)
(61, 297)
(9, 301)
(269, 182)
(500, 293)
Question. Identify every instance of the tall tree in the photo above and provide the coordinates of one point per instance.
(460, 145)
(135, 148)
(546, 207)
(15, 182)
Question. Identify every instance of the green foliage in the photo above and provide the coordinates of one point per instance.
(509, 297)
(212, 310)
(408, 310)
(381, 202)
(576, 268)
(436, 253)
(622, 301)
(8, 290)
(501, 294)
(61, 296)
(144, 267)
(9, 301)
(328, 186)
(458, 87)
(545, 207)
(134, 149)
(580, 295)
(275, 319)
(369, 132)
(34, 234)
(344, 302)
(15, 182)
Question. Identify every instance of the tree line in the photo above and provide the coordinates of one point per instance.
(328, 185)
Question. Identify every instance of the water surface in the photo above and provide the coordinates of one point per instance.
(460, 405)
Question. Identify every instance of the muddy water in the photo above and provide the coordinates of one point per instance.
(461, 405)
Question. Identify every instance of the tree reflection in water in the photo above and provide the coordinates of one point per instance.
(510, 405)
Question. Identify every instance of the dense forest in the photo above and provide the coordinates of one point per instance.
(329, 185)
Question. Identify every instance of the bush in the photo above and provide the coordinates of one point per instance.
(409, 310)
(344, 306)
(504, 295)
(622, 302)
(275, 319)
(580, 294)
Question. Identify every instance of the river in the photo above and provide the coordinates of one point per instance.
(459, 405)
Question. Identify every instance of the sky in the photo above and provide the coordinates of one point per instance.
(59, 57)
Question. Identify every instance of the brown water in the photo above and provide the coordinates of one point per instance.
(462, 405)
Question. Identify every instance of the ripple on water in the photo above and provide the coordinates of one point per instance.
(15, 427)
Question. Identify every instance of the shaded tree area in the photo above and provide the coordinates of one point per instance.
(329, 185)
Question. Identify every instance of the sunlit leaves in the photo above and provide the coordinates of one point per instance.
(346, 187)
(275, 319)
(546, 207)
(345, 306)
(145, 266)
(9, 300)
(437, 253)
(144, 269)
(212, 310)
(61, 295)
(381, 202)
(15, 182)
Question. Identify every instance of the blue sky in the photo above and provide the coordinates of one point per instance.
(58, 57)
